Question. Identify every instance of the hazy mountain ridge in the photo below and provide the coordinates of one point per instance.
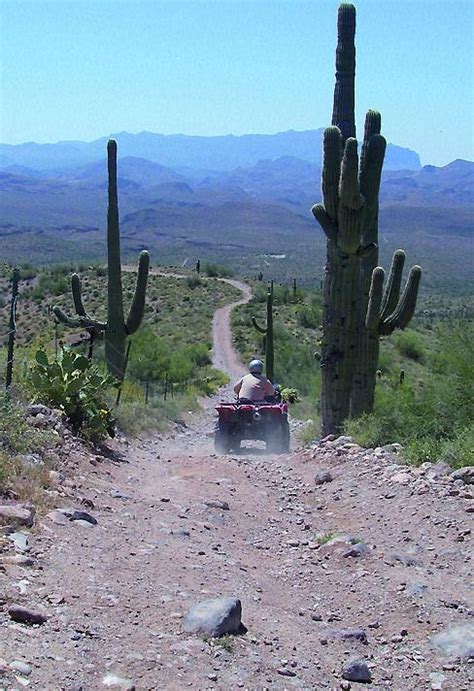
(253, 217)
(180, 151)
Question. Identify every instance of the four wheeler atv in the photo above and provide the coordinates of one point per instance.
(245, 420)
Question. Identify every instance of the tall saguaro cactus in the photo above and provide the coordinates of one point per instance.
(12, 328)
(116, 328)
(268, 335)
(349, 218)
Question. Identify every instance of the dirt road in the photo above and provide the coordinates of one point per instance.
(368, 562)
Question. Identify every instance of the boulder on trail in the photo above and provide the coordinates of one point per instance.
(26, 615)
(17, 515)
(357, 670)
(215, 617)
(465, 474)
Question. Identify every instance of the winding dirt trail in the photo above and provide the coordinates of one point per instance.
(224, 355)
(177, 524)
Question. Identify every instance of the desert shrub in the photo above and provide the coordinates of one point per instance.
(217, 271)
(75, 386)
(308, 317)
(433, 421)
(193, 281)
(410, 345)
(16, 435)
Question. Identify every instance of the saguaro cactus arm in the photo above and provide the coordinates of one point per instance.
(343, 110)
(260, 329)
(137, 308)
(83, 320)
(386, 311)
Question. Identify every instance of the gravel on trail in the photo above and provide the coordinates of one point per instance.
(357, 575)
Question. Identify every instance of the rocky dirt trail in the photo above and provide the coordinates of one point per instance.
(346, 564)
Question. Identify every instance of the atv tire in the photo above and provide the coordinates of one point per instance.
(222, 441)
(279, 441)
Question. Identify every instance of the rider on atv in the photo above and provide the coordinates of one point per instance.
(254, 387)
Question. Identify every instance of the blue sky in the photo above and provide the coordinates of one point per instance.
(81, 69)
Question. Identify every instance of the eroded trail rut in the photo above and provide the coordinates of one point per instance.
(115, 593)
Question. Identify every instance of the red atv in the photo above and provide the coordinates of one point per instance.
(266, 420)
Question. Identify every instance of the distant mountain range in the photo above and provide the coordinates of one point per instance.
(181, 151)
(244, 201)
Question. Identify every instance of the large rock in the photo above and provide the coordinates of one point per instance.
(457, 641)
(16, 515)
(214, 617)
(26, 615)
(322, 476)
(357, 670)
(465, 474)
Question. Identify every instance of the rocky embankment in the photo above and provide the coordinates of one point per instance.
(330, 567)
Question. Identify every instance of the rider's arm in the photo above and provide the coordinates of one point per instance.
(238, 386)
(269, 388)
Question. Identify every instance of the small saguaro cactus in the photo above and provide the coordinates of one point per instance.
(198, 267)
(12, 328)
(116, 328)
(268, 335)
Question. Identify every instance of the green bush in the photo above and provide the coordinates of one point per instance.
(75, 386)
(410, 345)
(193, 281)
(217, 271)
(433, 421)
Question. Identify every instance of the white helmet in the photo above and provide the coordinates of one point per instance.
(256, 367)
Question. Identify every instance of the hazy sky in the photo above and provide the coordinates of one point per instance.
(82, 69)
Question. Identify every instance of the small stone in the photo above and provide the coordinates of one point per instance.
(38, 409)
(117, 494)
(17, 560)
(20, 667)
(217, 504)
(214, 617)
(20, 540)
(83, 516)
(293, 543)
(32, 460)
(345, 685)
(458, 641)
(57, 517)
(165, 500)
(25, 615)
(349, 634)
(401, 478)
(286, 672)
(212, 676)
(358, 550)
(357, 670)
(112, 680)
(436, 681)
(18, 516)
(323, 476)
(316, 617)
(465, 474)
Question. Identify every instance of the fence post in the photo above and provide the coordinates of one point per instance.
(12, 328)
(127, 353)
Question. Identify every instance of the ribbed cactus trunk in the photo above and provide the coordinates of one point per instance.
(115, 335)
(268, 336)
(115, 329)
(356, 309)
